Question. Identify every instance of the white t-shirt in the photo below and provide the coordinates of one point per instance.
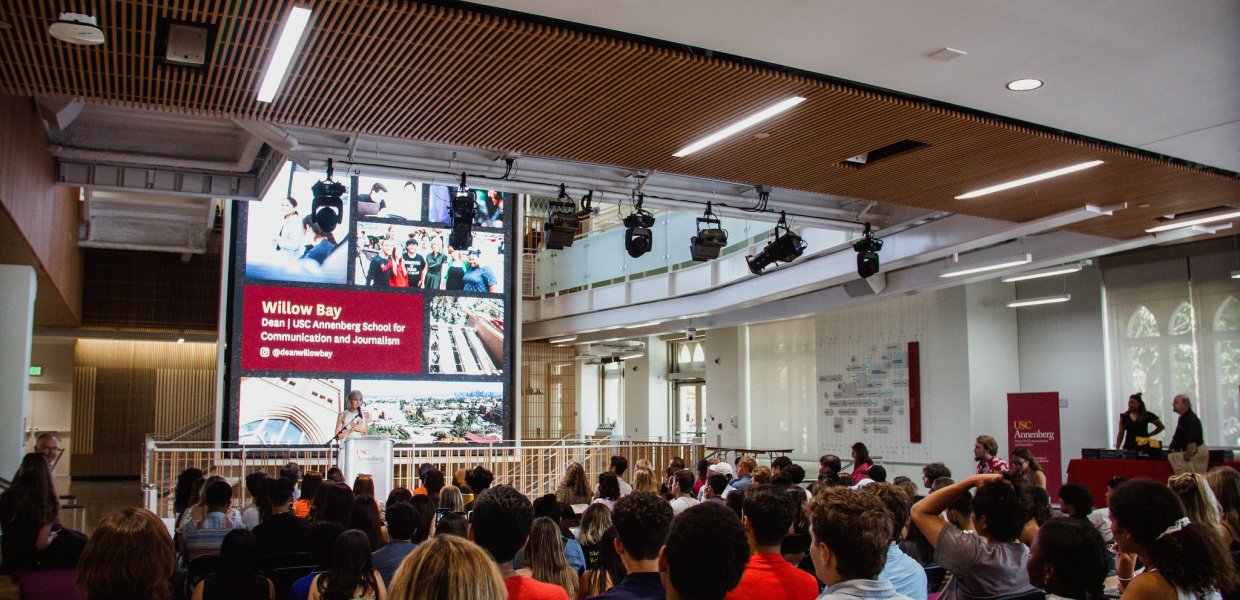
(681, 503)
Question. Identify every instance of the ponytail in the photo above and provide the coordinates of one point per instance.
(1193, 558)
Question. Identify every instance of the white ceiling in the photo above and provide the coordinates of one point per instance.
(1159, 75)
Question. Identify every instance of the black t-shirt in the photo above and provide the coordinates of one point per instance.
(281, 534)
(1187, 431)
(222, 587)
(1133, 429)
(414, 263)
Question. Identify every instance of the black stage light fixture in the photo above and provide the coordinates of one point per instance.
(328, 207)
(463, 212)
(867, 253)
(562, 222)
(786, 247)
(710, 238)
(638, 239)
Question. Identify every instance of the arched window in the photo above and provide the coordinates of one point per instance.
(1227, 317)
(1143, 357)
(1142, 324)
(275, 431)
(1183, 349)
(1181, 320)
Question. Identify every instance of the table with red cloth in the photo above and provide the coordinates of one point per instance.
(1094, 473)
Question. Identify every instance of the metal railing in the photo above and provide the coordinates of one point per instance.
(534, 467)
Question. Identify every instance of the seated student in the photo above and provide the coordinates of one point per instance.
(548, 506)
(641, 520)
(992, 562)
(203, 538)
(351, 573)
(129, 555)
(768, 514)
(282, 532)
(322, 540)
(682, 489)
(309, 486)
(238, 577)
(705, 554)
(256, 485)
(1069, 560)
(400, 526)
(908, 577)
(716, 483)
(448, 568)
(500, 523)
(850, 533)
(606, 571)
(452, 524)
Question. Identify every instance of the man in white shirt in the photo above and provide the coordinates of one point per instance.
(619, 465)
(682, 490)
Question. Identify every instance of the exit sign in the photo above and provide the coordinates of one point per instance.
(36, 371)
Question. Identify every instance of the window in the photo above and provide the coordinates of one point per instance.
(611, 393)
(274, 431)
(1225, 333)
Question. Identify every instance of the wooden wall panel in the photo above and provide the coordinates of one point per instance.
(46, 214)
(131, 289)
(83, 410)
(139, 388)
(549, 392)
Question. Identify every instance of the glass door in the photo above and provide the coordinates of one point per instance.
(689, 403)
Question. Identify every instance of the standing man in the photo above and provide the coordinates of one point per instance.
(986, 453)
(1188, 452)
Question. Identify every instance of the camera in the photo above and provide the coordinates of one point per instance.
(691, 334)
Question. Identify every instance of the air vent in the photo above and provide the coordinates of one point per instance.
(184, 43)
(873, 156)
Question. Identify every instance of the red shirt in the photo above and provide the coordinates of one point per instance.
(521, 587)
(994, 465)
(770, 577)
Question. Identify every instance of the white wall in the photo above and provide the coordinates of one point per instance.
(51, 396)
(17, 293)
(994, 364)
(587, 398)
(726, 387)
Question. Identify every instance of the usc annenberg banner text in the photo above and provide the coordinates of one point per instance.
(1033, 423)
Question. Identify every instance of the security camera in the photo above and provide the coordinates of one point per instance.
(691, 333)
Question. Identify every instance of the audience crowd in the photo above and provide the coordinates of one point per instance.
(717, 531)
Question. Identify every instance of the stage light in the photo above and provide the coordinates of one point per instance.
(710, 238)
(463, 212)
(290, 36)
(562, 222)
(784, 248)
(867, 249)
(638, 239)
(327, 207)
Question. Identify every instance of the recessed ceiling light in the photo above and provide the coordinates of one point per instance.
(1024, 85)
(740, 125)
(1182, 223)
(1030, 179)
(290, 36)
(1040, 300)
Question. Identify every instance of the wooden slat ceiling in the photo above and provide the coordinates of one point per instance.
(443, 74)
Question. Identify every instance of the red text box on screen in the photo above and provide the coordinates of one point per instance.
(330, 331)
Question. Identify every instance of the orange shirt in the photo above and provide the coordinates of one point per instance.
(521, 587)
(770, 577)
(301, 508)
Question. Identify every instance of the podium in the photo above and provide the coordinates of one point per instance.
(372, 455)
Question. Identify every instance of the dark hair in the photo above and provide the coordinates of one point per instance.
(608, 559)
(400, 520)
(501, 521)
(254, 483)
(310, 483)
(877, 473)
(863, 454)
(769, 509)
(400, 494)
(856, 527)
(479, 479)
(934, 471)
(703, 469)
(1116, 481)
(547, 506)
(1140, 403)
(706, 552)
(781, 463)
(1026, 455)
(333, 502)
(185, 484)
(1078, 497)
(1193, 558)
(641, 520)
(962, 505)
(1005, 504)
(364, 485)
(334, 473)
(1079, 556)
(830, 462)
(736, 502)
(1039, 504)
(896, 502)
(452, 524)
(433, 482)
(684, 478)
(717, 482)
(279, 491)
(239, 565)
(365, 518)
(351, 568)
(129, 555)
(218, 494)
(619, 464)
(795, 473)
(291, 471)
(676, 463)
(608, 486)
(291, 201)
(322, 539)
(424, 517)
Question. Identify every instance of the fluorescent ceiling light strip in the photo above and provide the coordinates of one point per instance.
(639, 326)
(1040, 300)
(1235, 274)
(1195, 221)
(1048, 272)
(630, 356)
(561, 340)
(290, 35)
(1028, 180)
(990, 265)
(740, 126)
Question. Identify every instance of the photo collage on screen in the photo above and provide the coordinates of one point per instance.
(379, 303)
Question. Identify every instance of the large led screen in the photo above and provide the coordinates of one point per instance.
(380, 304)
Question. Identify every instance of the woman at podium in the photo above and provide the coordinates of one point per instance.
(352, 421)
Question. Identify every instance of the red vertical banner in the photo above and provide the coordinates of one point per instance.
(914, 392)
(1033, 423)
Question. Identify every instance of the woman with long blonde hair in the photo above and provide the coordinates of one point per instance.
(448, 567)
(544, 557)
(1225, 483)
(595, 522)
(1198, 499)
(645, 481)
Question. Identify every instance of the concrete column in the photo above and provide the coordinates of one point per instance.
(17, 290)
